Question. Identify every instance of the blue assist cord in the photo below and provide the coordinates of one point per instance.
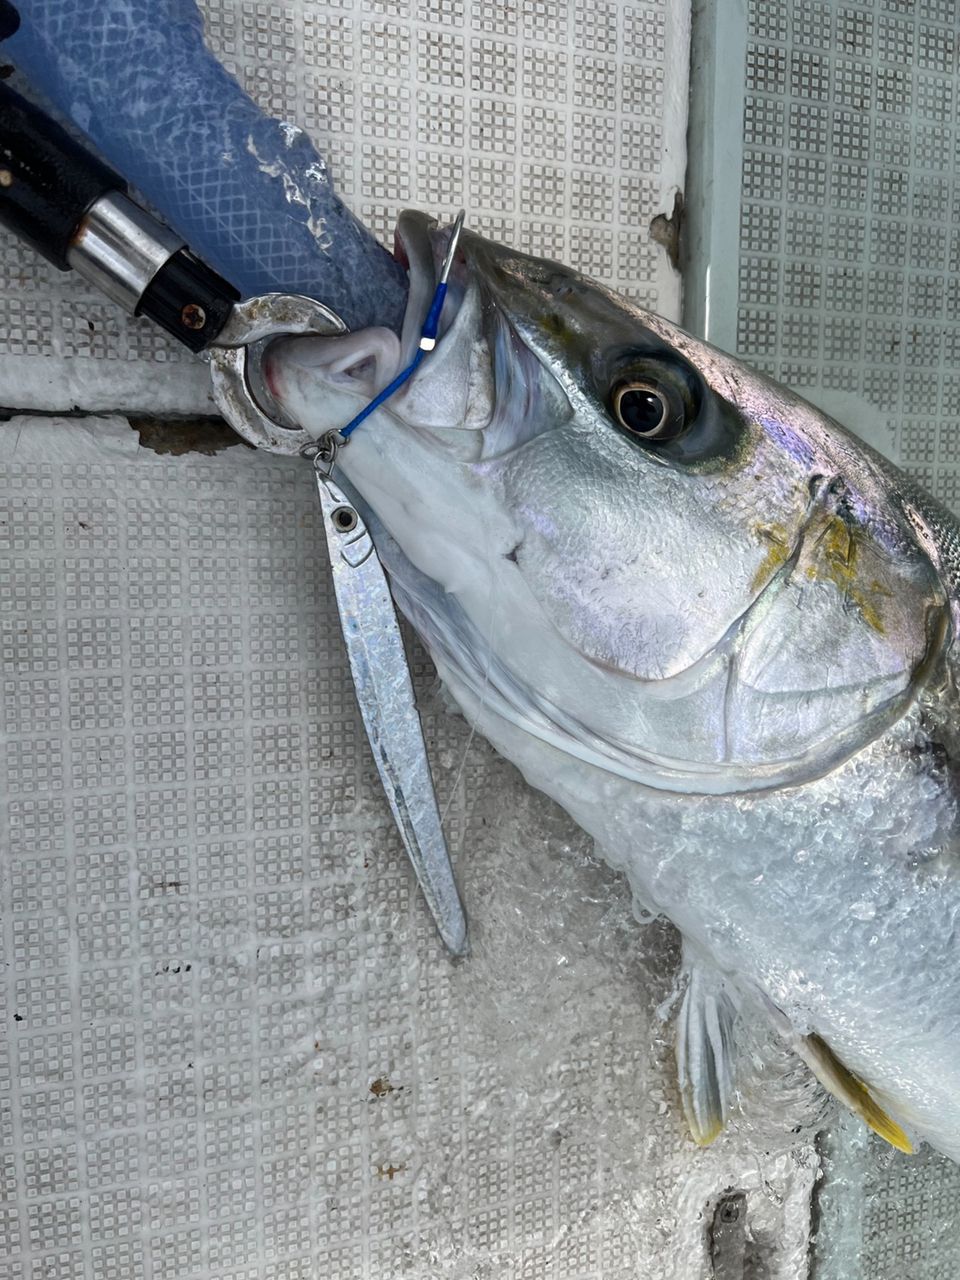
(428, 337)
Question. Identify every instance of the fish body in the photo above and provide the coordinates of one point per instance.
(715, 627)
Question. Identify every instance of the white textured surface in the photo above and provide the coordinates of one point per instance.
(214, 946)
(559, 126)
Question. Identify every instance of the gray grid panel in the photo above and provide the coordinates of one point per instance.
(849, 282)
(849, 269)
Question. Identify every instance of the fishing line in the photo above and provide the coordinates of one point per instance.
(347, 431)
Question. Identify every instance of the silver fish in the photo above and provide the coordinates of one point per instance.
(713, 625)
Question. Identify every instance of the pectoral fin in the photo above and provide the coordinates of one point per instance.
(843, 1084)
(705, 1049)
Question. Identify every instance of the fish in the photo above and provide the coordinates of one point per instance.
(713, 625)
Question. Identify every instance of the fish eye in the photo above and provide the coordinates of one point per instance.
(650, 409)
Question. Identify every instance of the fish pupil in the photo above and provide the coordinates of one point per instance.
(642, 411)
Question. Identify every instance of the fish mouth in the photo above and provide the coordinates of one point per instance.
(478, 373)
(352, 368)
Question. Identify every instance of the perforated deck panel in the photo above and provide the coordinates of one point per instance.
(827, 253)
(235, 1046)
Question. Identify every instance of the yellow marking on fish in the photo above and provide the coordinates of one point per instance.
(777, 553)
(850, 1089)
(704, 1137)
(838, 552)
(555, 325)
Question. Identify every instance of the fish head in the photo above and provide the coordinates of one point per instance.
(621, 538)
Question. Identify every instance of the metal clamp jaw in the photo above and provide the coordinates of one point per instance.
(76, 211)
(236, 358)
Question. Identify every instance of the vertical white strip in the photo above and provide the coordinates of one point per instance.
(673, 171)
(715, 144)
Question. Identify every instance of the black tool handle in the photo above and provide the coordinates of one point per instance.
(73, 209)
(47, 180)
(189, 299)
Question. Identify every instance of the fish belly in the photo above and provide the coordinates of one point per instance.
(812, 901)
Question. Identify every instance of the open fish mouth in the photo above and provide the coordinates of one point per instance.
(323, 383)
(479, 393)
